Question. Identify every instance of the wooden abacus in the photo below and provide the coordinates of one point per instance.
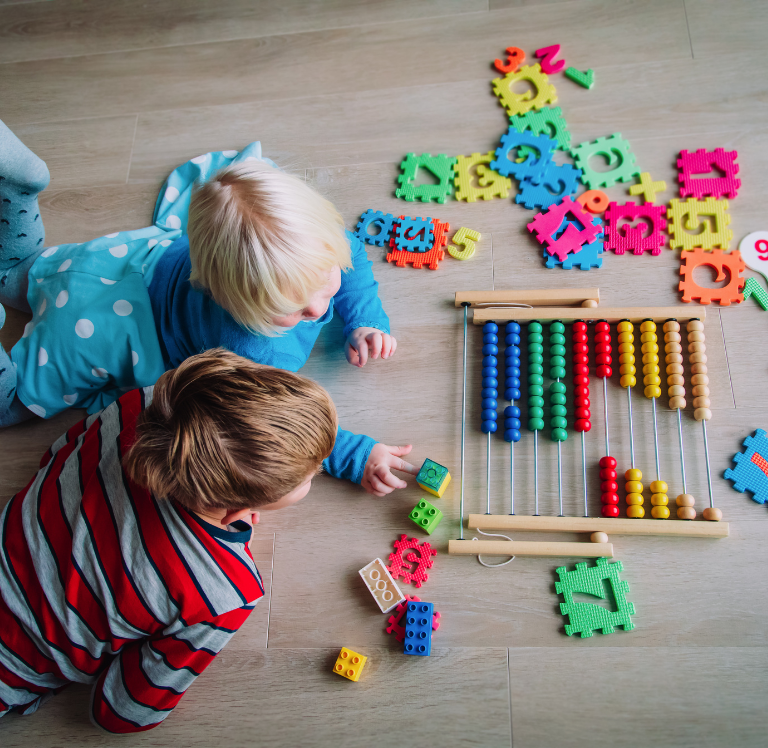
(580, 307)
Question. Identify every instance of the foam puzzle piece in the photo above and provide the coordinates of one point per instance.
(466, 238)
(548, 55)
(753, 288)
(701, 162)
(647, 188)
(586, 79)
(431, 258)
(588, 257)
(556, 183)
(414, 234)
(534, 166)
(432, 476)
(719, 261)
(380, 584)
(624, 238)
(692, 210)
(427, 516)
(515, 58)
(548, 121)
(492, 184)
(349, 664)
(520, 103)
(546, 225)
(408, 552)
(395, 621)
(751, 471)
(376, 218)
(441, 166)
(418, 629)
(617, 153)
(586, 618)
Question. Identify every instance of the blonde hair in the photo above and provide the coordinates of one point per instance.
(223, 432)
(262, 242)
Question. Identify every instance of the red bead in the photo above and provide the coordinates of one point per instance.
(580, 368)
(609, 486)
(603, 358)
(581, 402)
(580, 350)
(580, 337)
(610, 498)
(610, 511)
(581, 391)
(607, 462)
(582, 425)
(602, 326)
(603, 348)
(602, 337)
(580, 326)
(608, 473)
(604, 371)
(582, 379)
(581, 412)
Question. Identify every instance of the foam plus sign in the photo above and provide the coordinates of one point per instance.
(647, 188)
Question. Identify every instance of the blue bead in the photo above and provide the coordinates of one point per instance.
(488, 415)
(489, 392)
(512, 327)
(511, 435)
(512, 350)
(512, 339)
(512, 411)
(490, 371)
(490, 382)
(489, 402)
(511, 423)
(490, 350)
(511, 394)
(491, 338)
(490, 361)
(490, 327)
(489, 427)
(512, 371)
(513, 382)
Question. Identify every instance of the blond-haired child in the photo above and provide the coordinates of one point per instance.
(266, 262)
(125, 561)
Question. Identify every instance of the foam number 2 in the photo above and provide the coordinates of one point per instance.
(515, 58)
(547, 55)
(466, 238)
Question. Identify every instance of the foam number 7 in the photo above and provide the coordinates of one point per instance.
(466, 238)
(515, 58)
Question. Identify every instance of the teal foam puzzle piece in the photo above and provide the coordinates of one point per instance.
(751, 465)
(548, 121)
(617, 153)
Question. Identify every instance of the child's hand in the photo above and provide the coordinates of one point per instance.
(365, 341)
(377, 478)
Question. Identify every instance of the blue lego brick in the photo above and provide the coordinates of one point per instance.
(418, 629)
(414, 235)
(749, 473)
(589, 256)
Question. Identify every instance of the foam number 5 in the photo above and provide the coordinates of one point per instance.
(466, 238)
(754, 251)
(515, 58)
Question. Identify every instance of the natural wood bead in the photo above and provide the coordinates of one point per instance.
(672, 337)
(677, 402)
(698, 358)
(674, 358)
(695, 324)
(696, 348)
(701, 402)
(696, 337)
(676, 369)
(701, 390)
(699, 369)
(676, 391)
(598, 537)
(712, 514)
(589, 304)
(686, 512)
(675, 379)
(699, 379)
(702, 414)
(671, 325)
(672, 348)
(685, 499)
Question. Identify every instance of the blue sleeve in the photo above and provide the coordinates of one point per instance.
(349, 455)
(358, 299)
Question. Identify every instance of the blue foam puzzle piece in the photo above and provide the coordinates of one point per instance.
(415, 235)
(418, 629)
(589, 256)
(533, 167)
(375, 218)
(557, 182)
(748, 476)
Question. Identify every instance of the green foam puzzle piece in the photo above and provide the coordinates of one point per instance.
(586, 79)
(585, 618)
(441, 166)
(618, 155)
(548, 121)
(753, 288)
(427, 516)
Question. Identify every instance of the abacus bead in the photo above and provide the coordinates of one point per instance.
(488, 414)
(556, 339)
(558, 422)
(490, 349)
(674, 356)
(513, 370)
(604, 371)
(675, 368)
(581, 412)
(557, 387)
(511, 381)
(558, 361)
(712, 514)
(602, 337)
(535, 424)
(489, 392)
(697, 348)
(536, 402)
(624, 326)
(581, 379)
(633, 474)
(536, 390)
(511, 423)
(672, 337)
(512, 435)
(609, 511)
(653, 379)
(512, 394)
(651, 367)
(671, 325)
(580, 369)
(579, 337)
(609, 486)
(512, 327)
(610, 498)
(581, 391)
(535, 380)
(658, 486)
(559, 435)
(660, 499)
(660, 512)
(490, 382)
(598, 537)
(652, 391)
(607, 462)
(603, 348)
(488, 402)
(627, 369)
(696, 337)
(534, 328)
(701, 402)
(699, 369)
(647, 325)
(490, 361)
(649, 348)
(559, 410)
(557, 350)
(490, 371)
(557, 327)
(580, 357)
(649, 337)
(699, 379)
(512, 339)
(686, 512)
(559, 398)
(635, 512)
(701, 390)
(490, 327)
(627, 381)
(603, 358)
(676, 390)
(695, 324)
(685, 499)
(536, 348)
(536, 369)
(676, 403)
(698, 358)
(582, 424)
(602, 326)
(702, 414)
(633, 486)
(627, 348)
(634, 499)
(511, 411)
(534, 411)
(489, 427)
(580, 326)
(489, 337)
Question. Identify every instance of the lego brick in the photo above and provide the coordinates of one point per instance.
(753, 288)
(548, 54)
(441, 166)
(466, 238)
(625, 238)
(534, 165)
(556, 183)
(586, 618)
(515, 58)
(418, 629)
(414, 234)
(751, 470)
(586, 79)
(396, 625)
(548, 121)
(380, 584)
(376, 218)
(616, 152)
(647, 188)
(409, 552)
(427, 516)
(683, 217)
(546, 225)
(433, 477)
(431, 258)
(519, 103)
(491, 183)
(349, 664)
(589, 256)
(703, 162)
(720, 261)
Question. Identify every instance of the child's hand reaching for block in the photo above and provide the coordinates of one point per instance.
(377, 476)
(365, 342)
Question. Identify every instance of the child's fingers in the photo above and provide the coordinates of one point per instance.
(403, 466)
(386, 345)
(391, 480)
(351, 353)
(393, 346)
(362, 353)
(381, 488)
(399, 451)
(375, 343)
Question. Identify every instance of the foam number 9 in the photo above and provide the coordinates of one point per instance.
(466, 238)
(515, 58)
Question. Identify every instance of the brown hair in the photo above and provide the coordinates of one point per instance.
(223, 432)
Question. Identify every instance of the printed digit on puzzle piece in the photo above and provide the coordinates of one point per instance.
(414, 234)
(431, 258)
(409, 552)
(626, 237)
(751, 471)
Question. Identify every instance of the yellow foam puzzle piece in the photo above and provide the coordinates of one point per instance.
(492, 184)
(684, 217)
(520, 103)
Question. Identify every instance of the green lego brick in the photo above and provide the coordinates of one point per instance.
(433, 478)
(426, 516)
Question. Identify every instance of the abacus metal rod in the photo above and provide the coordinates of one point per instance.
(536, 471)
(706, 457)
(682, 453)
(631, 430)
(511, 477)
(559, 478)
(488, 477)
(605, 413)
(463, 423)
(584, 472)
(656, 440)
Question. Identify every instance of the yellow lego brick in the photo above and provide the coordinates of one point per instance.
(433, 478)
(349, 664)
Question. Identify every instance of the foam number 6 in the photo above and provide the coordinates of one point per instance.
(754, 251)
(466, 238)
(515, 58)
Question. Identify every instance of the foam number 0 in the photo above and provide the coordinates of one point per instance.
(466, 238)
(515, 58)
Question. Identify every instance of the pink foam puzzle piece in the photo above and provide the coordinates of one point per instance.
(548, 54)
(624, 238)
(701, 162)
(546, 224)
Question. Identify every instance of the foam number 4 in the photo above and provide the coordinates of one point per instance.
(515, 58)
(466, 238)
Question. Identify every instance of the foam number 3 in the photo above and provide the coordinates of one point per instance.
(515, 58)
(466, 238)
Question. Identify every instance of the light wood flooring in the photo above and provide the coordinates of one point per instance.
(113, 95)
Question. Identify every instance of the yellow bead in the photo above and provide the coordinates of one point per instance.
(659, 499)
(650, 348)
(624, 326)
(627, 358)
(686, 512)
(633, 474)
(652, 379)
(660, 512)
(652, 368)
(649, 337)
(659, 486)
(627, 369)
(635, 512)
(625, 338)
(633, 486)
(626, 348)
(648, 325)
(627, 381)
(652, 391)
(635, 499)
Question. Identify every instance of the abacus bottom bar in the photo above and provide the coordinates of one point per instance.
(528, 548)
(608, 525)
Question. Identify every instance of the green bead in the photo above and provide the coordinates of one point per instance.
(557, 372)
(536, 402)
(535, 412)
(535, 337)
(558, 399)
(557, 327)
(558, 361)
(535, 348)
(559, 435)
(557, 350)
(559, 410)
(557, 387)
(536, 379)
(535, 424)
(534, 327)
(558, 422)
(536, 390)
(535, 369)
(557, 339)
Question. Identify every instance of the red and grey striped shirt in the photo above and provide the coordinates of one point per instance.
(101, 582)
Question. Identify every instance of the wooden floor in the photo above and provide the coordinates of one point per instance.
(113, 95)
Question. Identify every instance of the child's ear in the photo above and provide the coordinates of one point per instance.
(228, 519)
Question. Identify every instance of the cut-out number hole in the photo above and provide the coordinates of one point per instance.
(608, 601)
(705, 276)
(601, 163)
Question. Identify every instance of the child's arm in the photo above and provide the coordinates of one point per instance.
(148, 677)
(366, 325)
